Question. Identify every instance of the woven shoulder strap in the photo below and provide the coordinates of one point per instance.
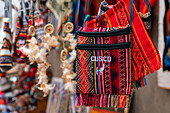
(148, 5)
(131, 11)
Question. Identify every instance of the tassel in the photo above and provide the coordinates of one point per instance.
(103, 100)
(93, 100)
(81, 100)
(145, 82)
(108, 101)
(101, 97)
(76, 99)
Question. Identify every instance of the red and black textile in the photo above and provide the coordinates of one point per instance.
(104, 64)
(142, 6)
(139, 4)
(104, 71)
(145, 56)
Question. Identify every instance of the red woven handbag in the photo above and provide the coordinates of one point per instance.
(103, 65)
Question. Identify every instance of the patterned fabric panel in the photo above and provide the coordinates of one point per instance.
(103, 71)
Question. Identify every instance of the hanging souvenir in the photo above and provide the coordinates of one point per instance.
(31, 29)
(68, 55)
(5, 52)
(49, 28)
(38, 21)
(44, 11)
(49, 39)
(68, 27)
(38, 49)
(22, 35)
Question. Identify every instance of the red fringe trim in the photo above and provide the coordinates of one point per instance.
(103, 100)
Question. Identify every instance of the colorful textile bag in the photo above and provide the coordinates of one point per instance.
(103, 66)
(145, 56)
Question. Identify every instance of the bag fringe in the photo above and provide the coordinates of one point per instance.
(103, 100)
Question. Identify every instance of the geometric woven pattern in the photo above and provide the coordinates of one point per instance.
(101, 76)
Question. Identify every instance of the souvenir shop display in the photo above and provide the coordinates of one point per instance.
(104, 50)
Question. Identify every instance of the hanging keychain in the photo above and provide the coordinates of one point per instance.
(49, 28)
(68, 27)
(38, 22)
(31, 29)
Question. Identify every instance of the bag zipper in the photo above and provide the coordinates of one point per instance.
(103, 46)
(117, 32)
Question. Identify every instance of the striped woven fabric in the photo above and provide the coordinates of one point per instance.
(5, 52)
(145, 56)
(20, 39)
